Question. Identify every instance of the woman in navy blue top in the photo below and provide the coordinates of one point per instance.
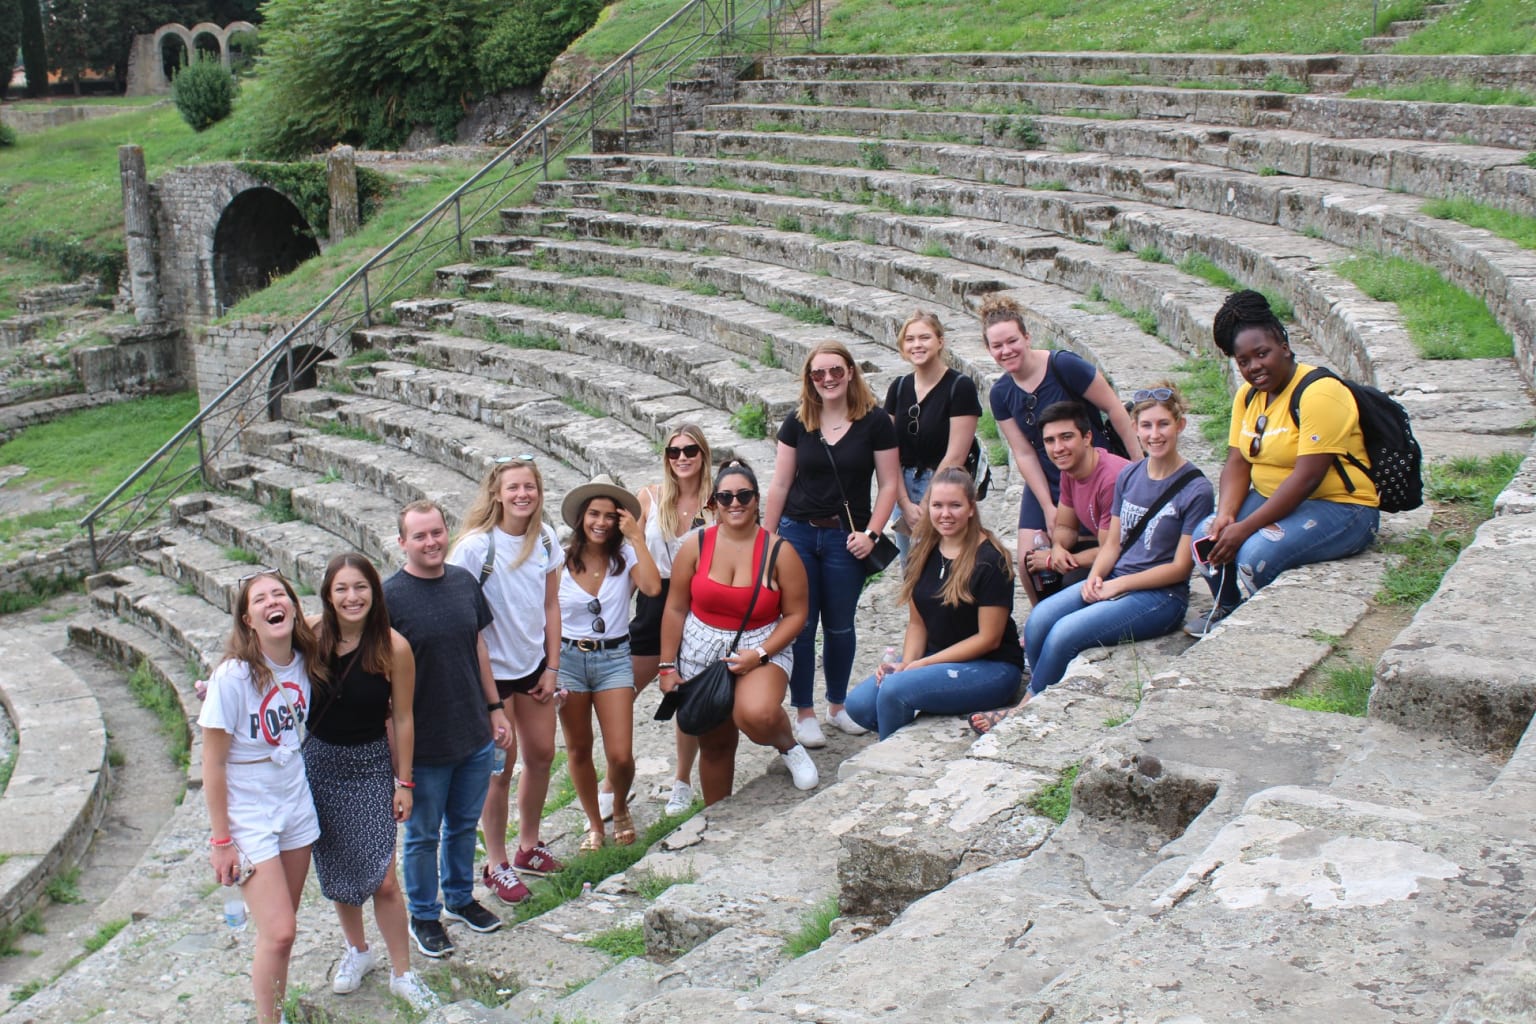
(1033, 379)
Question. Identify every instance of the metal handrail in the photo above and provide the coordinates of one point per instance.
(677, 44)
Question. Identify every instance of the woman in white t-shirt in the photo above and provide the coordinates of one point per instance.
(253, 774)
(515, 555)
(605, 562)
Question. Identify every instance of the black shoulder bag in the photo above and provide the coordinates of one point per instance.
(885, 551)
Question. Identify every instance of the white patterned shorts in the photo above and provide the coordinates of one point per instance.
(703, 643)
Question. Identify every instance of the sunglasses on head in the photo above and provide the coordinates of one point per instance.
(1258, 438)
(502, 460)
(725, 499)
(1152, 395)
(821, 373)
(595, 608)
(243, 580)
(687, 451)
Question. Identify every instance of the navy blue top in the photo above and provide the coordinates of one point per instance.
(1011, 402)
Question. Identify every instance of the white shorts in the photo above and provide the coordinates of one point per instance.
(270, 809)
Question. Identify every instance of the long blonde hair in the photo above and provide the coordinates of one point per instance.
(956, 589)
(243, 645)
(486, 512)
(672, 525)
(861, 400)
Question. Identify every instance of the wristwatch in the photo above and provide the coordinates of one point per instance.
(496, 706)
(873, 535)
(762, 654)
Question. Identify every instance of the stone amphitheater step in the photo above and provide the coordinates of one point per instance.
(1514, 127)
(1361, 337)
(1355, 216)
(59, 778)
(688, 389)
(19, 416)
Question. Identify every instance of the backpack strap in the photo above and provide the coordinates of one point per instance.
(490, 556)
(1178, 484)
(1321, 373)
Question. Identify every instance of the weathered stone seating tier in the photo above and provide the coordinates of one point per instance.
(1514, 127)
(1334, 72)
(58, 784)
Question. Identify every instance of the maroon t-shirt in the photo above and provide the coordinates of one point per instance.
(1092, 500)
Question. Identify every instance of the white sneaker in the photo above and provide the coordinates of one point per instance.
(355, 964)
(808, 733)
(410, 988)
(844, 721)
(801, 768)
(681, 798)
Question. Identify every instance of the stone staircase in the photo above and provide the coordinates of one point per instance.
(1397, 31)
(1367, 867)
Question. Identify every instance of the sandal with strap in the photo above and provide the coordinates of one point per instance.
(593, 840)
(623, 828)
(982, 722)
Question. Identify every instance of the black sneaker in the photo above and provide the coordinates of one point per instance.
(431, 937)
(475, 916)
(1205, 623)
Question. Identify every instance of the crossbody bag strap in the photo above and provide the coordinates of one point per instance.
(837, 479)
(757, 586)
(1174, 488)
(490, 556)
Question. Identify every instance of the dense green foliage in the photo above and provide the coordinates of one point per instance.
(10, 30)
(204, 92)
(369, 71)
(34, 48)
(7, 136)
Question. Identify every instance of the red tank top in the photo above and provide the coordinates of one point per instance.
(722, 606)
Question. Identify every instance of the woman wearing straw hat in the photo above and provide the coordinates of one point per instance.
(606, 560)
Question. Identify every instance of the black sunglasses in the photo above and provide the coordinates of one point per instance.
(1258, 439)
(1030, 401)
(595, 607)
(726, 499)
(687, 451)
(912, 415)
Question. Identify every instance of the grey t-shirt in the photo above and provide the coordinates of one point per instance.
(442, 618)
(1135, 492)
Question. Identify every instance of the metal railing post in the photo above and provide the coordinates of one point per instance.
(458, 226)
(544, 152)
(202, 459)
(367, 303)
(90, 533)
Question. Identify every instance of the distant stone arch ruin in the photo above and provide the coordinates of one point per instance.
(259, 236)
(155, 56)
(298, 370)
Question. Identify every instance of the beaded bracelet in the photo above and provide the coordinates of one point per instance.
(226, 841)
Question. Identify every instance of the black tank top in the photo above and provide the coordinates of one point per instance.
(354, 707)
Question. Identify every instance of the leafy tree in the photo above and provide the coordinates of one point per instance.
(10, 40)
(34, 48)
(526, 38)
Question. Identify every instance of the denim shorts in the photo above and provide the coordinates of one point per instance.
(596, 671)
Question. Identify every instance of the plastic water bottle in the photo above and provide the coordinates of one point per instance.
(498, 760)
(234, 914)
(1045, 578)
(888, 661)
(586, 890)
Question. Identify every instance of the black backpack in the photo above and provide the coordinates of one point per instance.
(1397, 461)
(1096, 416)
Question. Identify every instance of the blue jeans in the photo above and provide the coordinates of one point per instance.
(444, 813)
(956, 688)
(1064, 625)
(915, 479)
(835, 581)
(1317, 531)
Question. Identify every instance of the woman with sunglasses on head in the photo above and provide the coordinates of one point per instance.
(606, 560)
(829, 450)
(1288, 497)
(515, 555)
(961, 652)
(715, 572)
(361, 792)
(1031, 380)
(259, 803)
(935, 409)
(669, 511)
(1139, 585)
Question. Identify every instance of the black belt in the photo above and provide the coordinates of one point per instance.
(828, 523)
(585, 644)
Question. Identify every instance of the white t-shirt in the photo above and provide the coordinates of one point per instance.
(515, 638)
(578, 623)
(258, 722)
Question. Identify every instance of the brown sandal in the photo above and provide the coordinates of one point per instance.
(982, 722)
(593, 840)
(623, 828)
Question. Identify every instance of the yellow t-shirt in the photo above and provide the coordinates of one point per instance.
(1330, 425)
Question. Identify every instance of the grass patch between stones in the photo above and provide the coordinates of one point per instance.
(1345, 690)
(157, 697)
(815, 929)
(1442, 320)
(1055, 800)
(1444, 90)
(620, 943)
(1205, 387)
(1515, 227)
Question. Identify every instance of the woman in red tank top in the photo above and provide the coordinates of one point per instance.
(712, 583)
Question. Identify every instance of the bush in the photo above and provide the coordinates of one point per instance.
(204, 92)
(7, 136)
(526, 38)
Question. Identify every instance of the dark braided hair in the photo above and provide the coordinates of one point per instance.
(1244, 309)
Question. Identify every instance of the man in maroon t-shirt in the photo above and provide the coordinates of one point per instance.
(1087, 489)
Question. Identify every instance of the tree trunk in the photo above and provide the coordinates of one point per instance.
(34, 50)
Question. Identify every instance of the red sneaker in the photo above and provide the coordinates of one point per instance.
(537, 861)
(504, 884)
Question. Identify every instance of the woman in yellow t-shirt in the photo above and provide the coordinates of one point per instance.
(1282, 502)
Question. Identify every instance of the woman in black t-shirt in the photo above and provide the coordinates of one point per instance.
(961, 652)
(935, 409)
(833, 445)
(359, 798)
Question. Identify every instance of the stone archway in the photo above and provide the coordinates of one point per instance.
(260, 235)
(173, 51)
(297, 371)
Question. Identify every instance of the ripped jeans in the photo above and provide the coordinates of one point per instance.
(950, 688)
(1317, 531)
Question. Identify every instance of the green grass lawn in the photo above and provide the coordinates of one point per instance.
(1442, 320)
